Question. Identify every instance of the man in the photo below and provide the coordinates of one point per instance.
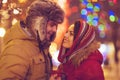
(25, 53)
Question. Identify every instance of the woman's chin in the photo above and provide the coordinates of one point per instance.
(65, 45)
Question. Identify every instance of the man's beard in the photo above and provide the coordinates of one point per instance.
(45, 43)
(52, 37)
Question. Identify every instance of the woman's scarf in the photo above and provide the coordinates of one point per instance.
(84, 38)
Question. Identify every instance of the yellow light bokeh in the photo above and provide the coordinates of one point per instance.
(14, 21)
(94, 0)
(2, 32)
(4, 1)
(22, 1)
(53, 48)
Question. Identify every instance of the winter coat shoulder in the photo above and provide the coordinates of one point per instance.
(21, 58)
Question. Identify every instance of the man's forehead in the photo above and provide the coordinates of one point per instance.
(53, 22)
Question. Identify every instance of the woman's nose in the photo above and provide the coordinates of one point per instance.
(66, 34)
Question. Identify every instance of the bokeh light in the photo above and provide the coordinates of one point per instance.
(2, 32)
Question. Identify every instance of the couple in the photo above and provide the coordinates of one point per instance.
(25, 53)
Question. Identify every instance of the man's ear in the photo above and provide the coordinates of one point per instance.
(40, 27)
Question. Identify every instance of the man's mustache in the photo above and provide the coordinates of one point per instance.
(52, 37)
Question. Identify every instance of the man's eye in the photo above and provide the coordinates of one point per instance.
(53, 24)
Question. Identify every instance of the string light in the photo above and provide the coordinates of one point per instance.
(4, 1)
(22, 1)
(114, 1)
(111, 16)
(83, 12)
(2, 32)
(94, 0)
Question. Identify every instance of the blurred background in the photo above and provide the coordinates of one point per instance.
(104, 15)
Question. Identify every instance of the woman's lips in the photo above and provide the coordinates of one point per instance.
(65, 40)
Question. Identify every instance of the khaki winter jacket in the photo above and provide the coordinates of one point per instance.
(21, 58)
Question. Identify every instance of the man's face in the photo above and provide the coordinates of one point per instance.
(51, 30)
(45, 29)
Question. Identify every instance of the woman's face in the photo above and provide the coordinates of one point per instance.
(68, 38)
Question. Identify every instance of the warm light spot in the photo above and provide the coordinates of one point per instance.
(53, 48)
(74, 9)
(2, 32)
(14, 21)
(94, 0)
(61, 2)
(4, 1)
(22, 1)
(15, 11)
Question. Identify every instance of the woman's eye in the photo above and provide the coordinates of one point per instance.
(71, 33)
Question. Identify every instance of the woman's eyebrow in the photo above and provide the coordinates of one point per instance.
(71, 31)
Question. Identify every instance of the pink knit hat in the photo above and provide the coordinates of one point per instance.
(85, 36)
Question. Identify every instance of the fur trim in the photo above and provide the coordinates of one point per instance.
(83, 54)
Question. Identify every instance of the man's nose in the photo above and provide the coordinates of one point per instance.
(54, 28)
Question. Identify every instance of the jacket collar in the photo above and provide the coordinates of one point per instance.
(17, 32)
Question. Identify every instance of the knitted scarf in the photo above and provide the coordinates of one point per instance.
(83, 44)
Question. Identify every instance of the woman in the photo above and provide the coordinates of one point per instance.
(79, 55)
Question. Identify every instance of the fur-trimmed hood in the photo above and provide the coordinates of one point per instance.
(16, 32)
